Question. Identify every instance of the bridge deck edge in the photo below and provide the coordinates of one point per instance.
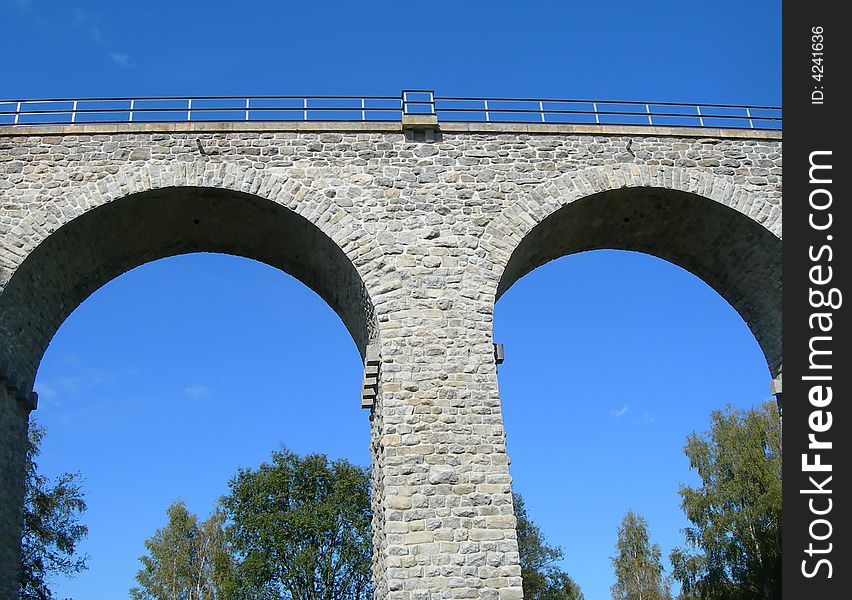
(385, 127)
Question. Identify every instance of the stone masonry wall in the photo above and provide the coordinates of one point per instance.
(430, 227)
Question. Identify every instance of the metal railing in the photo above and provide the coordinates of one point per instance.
(383, 108)
(200, 108)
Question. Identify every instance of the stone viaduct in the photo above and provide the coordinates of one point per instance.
(410, 236)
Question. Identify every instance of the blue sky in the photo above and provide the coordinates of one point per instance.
(171, 376)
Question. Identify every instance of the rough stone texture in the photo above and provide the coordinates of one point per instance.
(411, 243)
(13, 437)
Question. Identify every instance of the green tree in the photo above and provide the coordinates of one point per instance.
(186, 560)
(300, 528)
(542, 580)
(733, 549)
(52, 527)
(637, 564)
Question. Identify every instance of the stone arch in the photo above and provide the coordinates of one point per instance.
(101, 229)
(726, 234)
(56, 256)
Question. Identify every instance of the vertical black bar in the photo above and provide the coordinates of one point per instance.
(817, 368)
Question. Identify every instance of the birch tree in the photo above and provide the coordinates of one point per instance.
(637, 563)
(186, 560)
(733, 548)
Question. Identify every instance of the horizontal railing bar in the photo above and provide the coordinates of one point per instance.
(137, 121)
(437, 100)
(185, 98)
(176, 109)
(226, 109)
(673, 125)
(507, 122)
(685, 104)
(599, 112)
(137, 108)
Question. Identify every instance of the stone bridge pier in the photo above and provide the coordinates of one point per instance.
(410, 239)
(447, 522)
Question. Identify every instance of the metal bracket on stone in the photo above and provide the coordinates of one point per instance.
(31, 402)
(370, 384)
(499, 355)
(14, 387)
(775, 388)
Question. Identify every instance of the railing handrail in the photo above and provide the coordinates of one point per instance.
(196, 108)
(81, 111)
(599, 112)
(185, 98)
(632, 102)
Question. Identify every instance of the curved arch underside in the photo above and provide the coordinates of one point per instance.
(731, 252)
(96, 247)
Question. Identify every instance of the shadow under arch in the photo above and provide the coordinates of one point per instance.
(101, 244)
(731, 252)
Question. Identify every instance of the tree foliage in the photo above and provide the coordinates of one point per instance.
(637, 564)
(733, 549)
(301, 529)
(542, 580)
(186, 560)
(52, 527)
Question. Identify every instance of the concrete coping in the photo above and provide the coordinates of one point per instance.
(385, 127)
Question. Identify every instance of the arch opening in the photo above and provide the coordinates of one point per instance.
(731, 252)
(210, 375)
(97, 246)
(600, 383)
(65, 265)
(612, 359)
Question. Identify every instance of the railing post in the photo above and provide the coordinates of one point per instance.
(363, 112)
(541, 110)
(247, 108)
(74, 112)
(648, 111)
(748, 114)
(700, 118)
(597, 116)
(487, 116)
(17, 112)
(305, 110)
(132, 107)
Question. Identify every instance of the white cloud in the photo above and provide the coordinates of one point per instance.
(87, 24)
(45, 390)
(72, 385)
(122, 60)
(620, 412)
(49, 397)
(197, 391)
